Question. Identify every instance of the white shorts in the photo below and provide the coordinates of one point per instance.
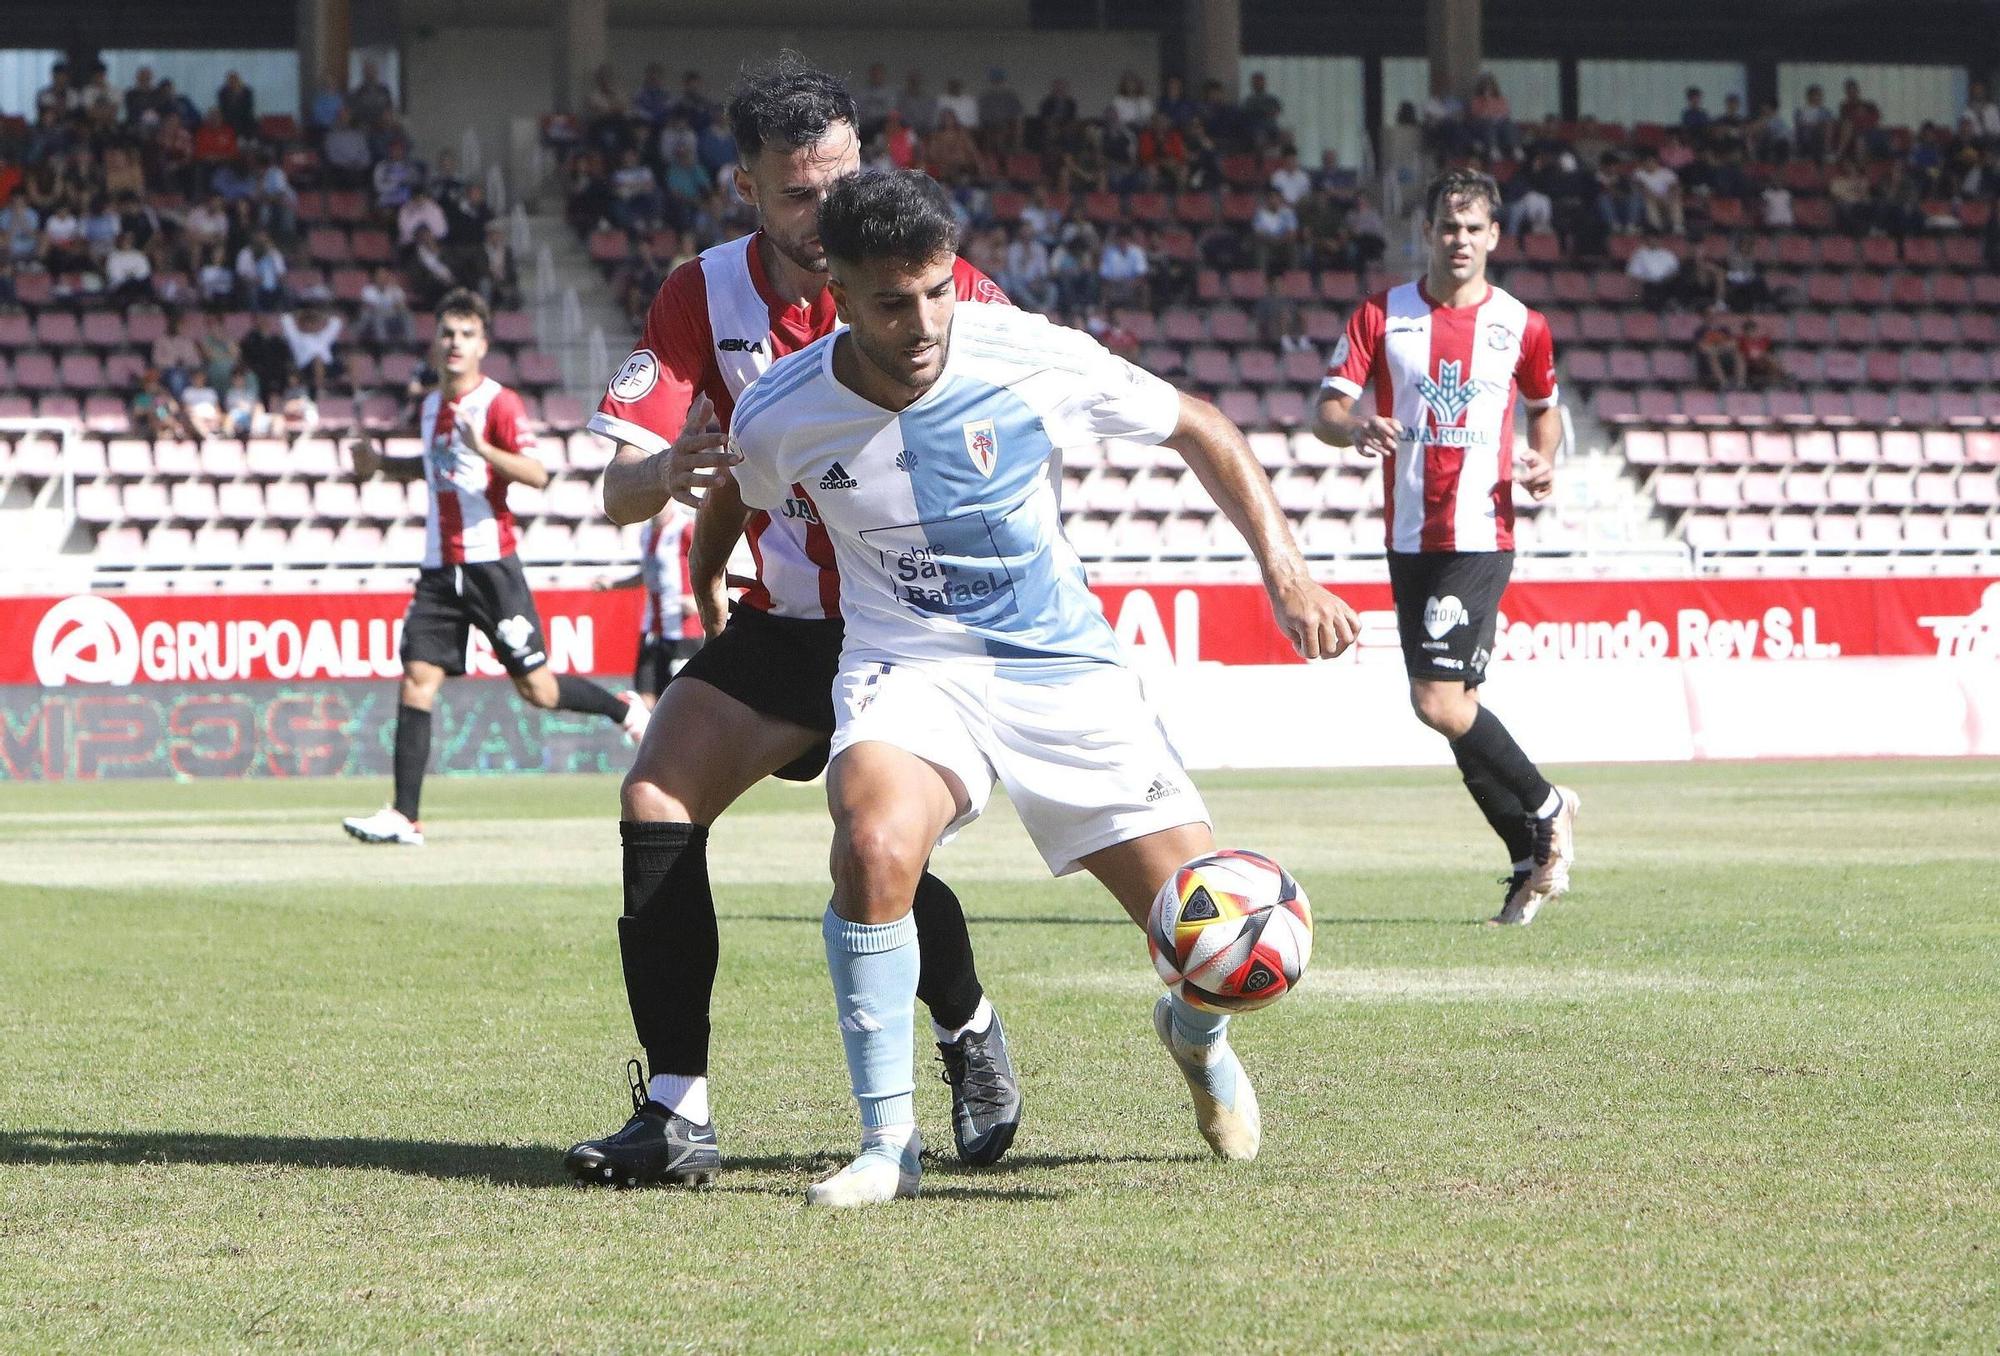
(1083, 757)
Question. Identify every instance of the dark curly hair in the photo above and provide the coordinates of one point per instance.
(901, 215)
(785, 102)
(1467, 185)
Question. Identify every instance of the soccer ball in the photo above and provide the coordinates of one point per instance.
(1230, 932)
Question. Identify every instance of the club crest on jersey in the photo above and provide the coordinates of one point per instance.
(1341, 351)
(1499, 338)
(982, 444)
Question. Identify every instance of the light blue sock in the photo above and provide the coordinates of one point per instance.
(1192, 1026)
(874, 968)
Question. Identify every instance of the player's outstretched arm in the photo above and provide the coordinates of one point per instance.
(368, 459)
(1334, 422)
(1318, 624)
(637, 485)
(718, 526)
(1536, 470)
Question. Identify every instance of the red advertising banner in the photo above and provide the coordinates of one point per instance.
(118, 640)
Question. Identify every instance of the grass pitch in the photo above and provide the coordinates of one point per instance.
(261, 1086)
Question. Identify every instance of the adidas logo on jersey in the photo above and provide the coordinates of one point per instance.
(836, 478)
(906, 460)
(1160, 790)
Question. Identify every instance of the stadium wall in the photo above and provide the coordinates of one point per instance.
(233, 685)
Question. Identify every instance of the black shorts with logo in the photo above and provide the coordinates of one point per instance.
(660, 661)
(491, 595)
(779, 666)
(1447, 606)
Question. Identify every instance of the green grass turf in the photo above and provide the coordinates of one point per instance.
(264, 1087)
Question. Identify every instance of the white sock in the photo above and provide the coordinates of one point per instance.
(1552, 805)
(686, 1095)
(897, 1137)
(982, 1018)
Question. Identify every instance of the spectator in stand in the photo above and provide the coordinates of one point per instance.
(635, 195)
(1531, 196)
(1175, 103)
(873, 102)
(1812, 124)
(346, 154)
(1132, 107)
(1122, 270)
(1041, 216)
(1730, 130)
(140, 220)
(123, 169)
(311, 333)
(327, 104)
(1080, 166)
(385, 310)
(22, 226)
(215, 141)
(370, 102)
(1982, 115)
(277, 201)
(1659, 191)
(716, 150)
(1775, 207)
(694, 103)
(215, 282)
(1759, 360)
(1163, 154)
(57, 97)
(496, 277)
(233, 182)
(266, 354)
(1444, 123)
(1222, 116)
(1120, 152)
(1261, 111)
(1367, 233)
(919, 109)
(430, 273)
(950, 150)
(100, 228)
(63, 248)
(1852, 197)
(142, 101)
(1400, 148)
(128, 273)
(154, 411)
(1274, 230)
(173, 152)
(1489, 120)
(1058, 109)
(179, 103)
(1656, 269)
(899, 141)
(1026, 277)
(238, 105)
(1735, 281)
(604, 110)
(652, 100)
(1000, 113)
(960, 104)
(1717, 353)
(422, 210)
(298, 412)
(1770, 136)
(1855, 131)
(176, 355)
(243, 413)
(201, 408)
(395, 178)
(219, 355)
(1694, 114)
(1073, 263)
(1323, 242)
(1289, 180)
(687, 184)
(260, 268)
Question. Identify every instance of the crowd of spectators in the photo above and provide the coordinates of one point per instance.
(659, 164)
(142, 197)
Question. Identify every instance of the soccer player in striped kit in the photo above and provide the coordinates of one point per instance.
(1449, 353)
(476, 442)
(757, 700)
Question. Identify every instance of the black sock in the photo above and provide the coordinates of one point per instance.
(580, 694)
(1503, 810)
(413, 757)
(1488, 747)
(668, 941)
(946, 981)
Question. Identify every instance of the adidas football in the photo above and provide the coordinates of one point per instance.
(1230, 932)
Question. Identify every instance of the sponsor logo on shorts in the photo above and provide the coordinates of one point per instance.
(639, 375)
(1435, 645)
(836, 478)
(1445, 661)
(1479, 658)
(515, 632)
(1160, 790)
(1442, 615)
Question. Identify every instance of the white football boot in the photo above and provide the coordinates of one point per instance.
(386, 825)
(1552, 862)
(636, 716)
(1521, 902)
(881, 1173)
(1225, 1105)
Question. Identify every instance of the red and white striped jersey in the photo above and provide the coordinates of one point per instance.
(663, 567)
(1449, 376)
(714, 328)
(469, 520)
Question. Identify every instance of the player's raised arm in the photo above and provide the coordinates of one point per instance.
(369, 458)
(1318, 624)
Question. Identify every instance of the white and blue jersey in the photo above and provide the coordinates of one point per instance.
(943, 515)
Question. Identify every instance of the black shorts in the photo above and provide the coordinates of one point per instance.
(1447, 606)
(491, 595)
(779, 666)
(660, 660)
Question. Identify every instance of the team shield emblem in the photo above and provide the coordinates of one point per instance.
(982, 444)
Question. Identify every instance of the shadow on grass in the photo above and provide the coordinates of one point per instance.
(979, 921)
(502, 1164)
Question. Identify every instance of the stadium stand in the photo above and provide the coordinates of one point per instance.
(1859, 419)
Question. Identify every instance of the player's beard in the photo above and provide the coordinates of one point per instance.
(893, 361)
(812, 259)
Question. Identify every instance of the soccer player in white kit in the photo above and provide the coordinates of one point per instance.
(1448, 353)
(974, 653)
